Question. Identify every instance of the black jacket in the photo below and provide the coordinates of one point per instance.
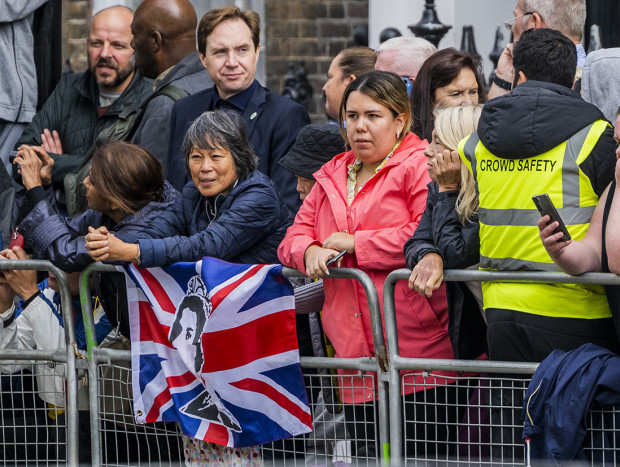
(153, 132)
(440, 231)
(536, 117)
(244, 226)
(72, 111)
(61, 240)
(272, 123)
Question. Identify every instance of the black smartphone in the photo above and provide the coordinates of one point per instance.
(546, 207)
(335, 258)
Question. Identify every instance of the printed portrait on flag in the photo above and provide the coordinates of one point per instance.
(214, 348)
(186, 336)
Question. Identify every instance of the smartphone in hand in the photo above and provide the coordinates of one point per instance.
(335, 258)
(546, 208)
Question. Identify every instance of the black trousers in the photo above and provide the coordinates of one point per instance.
(524, 337)
(431, 426)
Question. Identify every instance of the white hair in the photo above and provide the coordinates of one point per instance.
(412, 52)
(566, 16)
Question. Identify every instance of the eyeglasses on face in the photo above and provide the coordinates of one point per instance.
(511, 22)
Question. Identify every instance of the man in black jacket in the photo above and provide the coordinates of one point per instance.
(165, 46)
(88, 106)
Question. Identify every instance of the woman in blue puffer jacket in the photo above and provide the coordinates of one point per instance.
(126, 191)
(229, 210)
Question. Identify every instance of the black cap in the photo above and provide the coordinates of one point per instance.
(316, 144)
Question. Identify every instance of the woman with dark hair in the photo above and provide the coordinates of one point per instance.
(367, 202)
(229, 210)
(345, 67)
(125, 192)
(448, 78)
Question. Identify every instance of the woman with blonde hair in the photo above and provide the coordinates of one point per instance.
(447, 236)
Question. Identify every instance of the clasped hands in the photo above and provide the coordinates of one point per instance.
(35, 166)
(316, 257)
(35, 163)
(103, 245)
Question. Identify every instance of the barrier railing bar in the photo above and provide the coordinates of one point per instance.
(467, 275)
(91, 343)
(70, 344)
(373, 304)
(57, 356)
(431, 364)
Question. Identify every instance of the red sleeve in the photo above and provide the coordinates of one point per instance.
(302, 233)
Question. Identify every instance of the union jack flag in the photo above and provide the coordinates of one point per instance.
(214, 348)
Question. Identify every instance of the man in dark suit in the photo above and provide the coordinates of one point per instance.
(228, 44)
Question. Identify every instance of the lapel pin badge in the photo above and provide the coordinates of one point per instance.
(253, 116)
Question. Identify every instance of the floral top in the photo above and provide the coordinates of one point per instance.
(353, 169)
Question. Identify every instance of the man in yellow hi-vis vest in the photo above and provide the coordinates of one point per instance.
(541, 138)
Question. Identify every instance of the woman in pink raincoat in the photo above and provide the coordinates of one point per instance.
(368, 201)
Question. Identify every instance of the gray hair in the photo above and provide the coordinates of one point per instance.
(566, 16)
(221, 129)
(412, 52)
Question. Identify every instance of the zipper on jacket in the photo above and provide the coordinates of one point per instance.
(21, 83)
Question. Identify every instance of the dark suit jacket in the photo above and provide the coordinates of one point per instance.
(272, 124)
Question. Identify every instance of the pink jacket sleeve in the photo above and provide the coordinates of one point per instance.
(301, 234)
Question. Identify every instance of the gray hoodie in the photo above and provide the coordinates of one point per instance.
(18, 86)
(600, 82)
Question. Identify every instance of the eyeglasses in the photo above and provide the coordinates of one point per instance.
(511, 22)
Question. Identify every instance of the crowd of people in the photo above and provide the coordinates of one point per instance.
(168, 149)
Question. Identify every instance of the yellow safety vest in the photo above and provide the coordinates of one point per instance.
(509, 238)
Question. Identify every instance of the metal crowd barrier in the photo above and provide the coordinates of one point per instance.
(333, 443)
(30, 431)
(470, 417)
(463, 417)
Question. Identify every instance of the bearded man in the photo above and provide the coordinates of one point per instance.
(99, 104)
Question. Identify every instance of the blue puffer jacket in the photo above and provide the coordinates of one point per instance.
(61, 240)
(244, 226)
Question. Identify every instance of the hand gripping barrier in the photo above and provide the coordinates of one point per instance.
(488, 380)
(371, 365)
(61, 356)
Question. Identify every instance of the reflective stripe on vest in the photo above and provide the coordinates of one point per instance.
(509, 238)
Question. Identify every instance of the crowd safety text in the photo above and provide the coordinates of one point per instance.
(520, 165)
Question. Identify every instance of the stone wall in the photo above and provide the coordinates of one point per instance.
(76, 14)
(313, 31)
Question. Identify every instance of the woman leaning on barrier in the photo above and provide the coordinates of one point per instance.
(448, 234)
(125, 192)
(229, 210)
(367, 202)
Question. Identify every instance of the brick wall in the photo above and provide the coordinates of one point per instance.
(76, 14)
(310, 30)
(313, 31)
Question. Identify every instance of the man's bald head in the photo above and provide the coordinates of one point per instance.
(164, 33)
(109, 48)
